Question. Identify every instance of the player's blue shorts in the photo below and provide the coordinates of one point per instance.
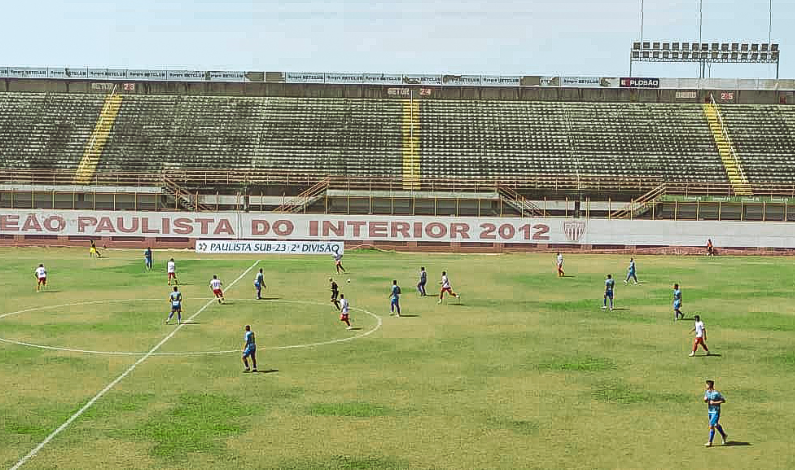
(250, 351)
(609, 294)
(677, 304)
(714, 418)
(176, 307)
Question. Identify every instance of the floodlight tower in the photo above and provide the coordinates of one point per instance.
(706, 53)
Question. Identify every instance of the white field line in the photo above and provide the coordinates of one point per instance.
(118, 379)
(378, 325)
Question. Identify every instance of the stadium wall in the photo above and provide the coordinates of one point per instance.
(425, 92)
(459, 234)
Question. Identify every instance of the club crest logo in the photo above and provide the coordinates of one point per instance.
(574, 230)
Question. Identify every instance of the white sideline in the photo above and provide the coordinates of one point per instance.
(118, 379)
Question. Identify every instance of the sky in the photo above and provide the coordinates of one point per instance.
(560, 37)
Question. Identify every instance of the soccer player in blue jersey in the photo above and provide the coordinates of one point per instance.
(394, 298)
(423, 281)
(259, 283)
(631, 272)
(678, 303)
(148, 259)
(250, 349)
(176, 305)
(714, 399)
(610, 284)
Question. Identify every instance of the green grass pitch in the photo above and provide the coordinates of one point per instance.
(525, 372)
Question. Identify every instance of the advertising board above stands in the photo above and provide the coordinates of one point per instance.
(385, 79)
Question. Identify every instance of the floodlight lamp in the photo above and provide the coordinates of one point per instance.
(715, 46)
(666, 54)
(666, 46)
(754, 47)
(685, 46)
(646, 54)
(754, 55)
(636, 54)
(744, 46)
(636, 46)
(724, 55)
(744, 56)
(724, 47)
(656, 54)
(763, 56)
(704, 47)
(646, 45)
(774, 55)
(735, 46)
(675, 46)
(685, 54)
(774, 47)
(735, 55)
(715, 54)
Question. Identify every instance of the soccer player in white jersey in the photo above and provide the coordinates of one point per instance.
(446, 288)
(171, 269)
(701, 336)
(338, 262)
(345, 310)
(215, 285)
(559, 262)
(41, 278)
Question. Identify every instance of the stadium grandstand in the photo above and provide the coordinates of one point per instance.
(406, 145)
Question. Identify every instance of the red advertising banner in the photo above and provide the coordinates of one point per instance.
(631, 82)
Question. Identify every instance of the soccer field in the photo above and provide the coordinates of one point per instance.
(526, 371)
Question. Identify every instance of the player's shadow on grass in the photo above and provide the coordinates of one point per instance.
(621, 308)
(567, 275)
(355, 328)
(191, 322)
(47, 291)
(403, 315)
(708, 355)
(270, 298)
(267, 371)
(737, 444)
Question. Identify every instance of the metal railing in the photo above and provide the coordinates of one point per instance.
(234, 180)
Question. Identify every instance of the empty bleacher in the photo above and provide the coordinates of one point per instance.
(330, 136)
(764, 138)
(364, 137)
(499, 139)
(45, 131)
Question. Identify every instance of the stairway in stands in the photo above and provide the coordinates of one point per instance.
(728, 155)
(96, 143)
(411, 144)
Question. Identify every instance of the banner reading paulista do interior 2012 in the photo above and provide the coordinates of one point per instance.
(329, 227)
(252, 226)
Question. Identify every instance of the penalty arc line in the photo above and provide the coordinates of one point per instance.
(118, 379)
